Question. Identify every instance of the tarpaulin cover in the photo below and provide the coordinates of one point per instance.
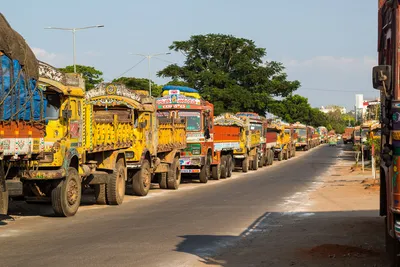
(20, 99)
(14, 46)
(180, 88)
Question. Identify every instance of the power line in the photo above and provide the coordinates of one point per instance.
(131, 68)
(335, 90)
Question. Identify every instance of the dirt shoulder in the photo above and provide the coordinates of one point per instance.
(335, 222)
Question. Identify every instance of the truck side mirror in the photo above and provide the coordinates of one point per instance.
(381, 75)
(67, 114)
(207, 133)
(142, 124)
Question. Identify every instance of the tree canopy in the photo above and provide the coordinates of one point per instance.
(230, 72)
(140, 84)
(91, 75)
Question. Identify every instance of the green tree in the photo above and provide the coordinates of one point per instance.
(230, 72)
(91, 75)
(140, 84)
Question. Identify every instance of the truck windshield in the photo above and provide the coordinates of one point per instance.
(193, 120)
(357, 133)
(301, 132)
(53, 106)
(364, 132)
(256, 127)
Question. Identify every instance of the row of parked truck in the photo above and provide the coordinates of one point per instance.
(57, 139)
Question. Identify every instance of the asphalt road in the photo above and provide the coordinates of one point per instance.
(174, 229)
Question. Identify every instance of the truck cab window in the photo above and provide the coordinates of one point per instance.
(53, 106)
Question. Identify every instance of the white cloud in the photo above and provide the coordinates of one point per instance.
(57, 60)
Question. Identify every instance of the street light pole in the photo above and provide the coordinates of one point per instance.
(74, 30)
(148, 64)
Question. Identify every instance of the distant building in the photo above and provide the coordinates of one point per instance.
(328, 109)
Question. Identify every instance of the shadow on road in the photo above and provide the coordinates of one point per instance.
(296, 239)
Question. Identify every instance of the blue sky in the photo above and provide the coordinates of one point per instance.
(326, 45)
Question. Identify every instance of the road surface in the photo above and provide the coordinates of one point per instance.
(180, 228)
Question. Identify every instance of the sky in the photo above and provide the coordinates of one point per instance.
(329, 46)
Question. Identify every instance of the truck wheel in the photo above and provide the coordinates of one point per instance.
(280, 156)
(216, 172)
(116, 184)
(224, 166)
(261, 162)
(392, 248)
(3, 191)
(285, 155)
(266, 158)
(229, 165)
(141, 180)
(174, 175)
(205, 171)
(100, 194)
(4, 202)
(66, 196)
(245, 165)
(293, 152)
(255, 163)
(163, 180)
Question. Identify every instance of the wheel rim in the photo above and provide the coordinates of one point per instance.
(72, 192)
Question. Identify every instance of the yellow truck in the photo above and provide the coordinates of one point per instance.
(283, 148)
(96, 138)
(250, 152)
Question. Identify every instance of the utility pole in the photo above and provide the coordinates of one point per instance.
(148, 64)
(74, 30)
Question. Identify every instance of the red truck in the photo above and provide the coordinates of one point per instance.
(209, 150)
(385, 78)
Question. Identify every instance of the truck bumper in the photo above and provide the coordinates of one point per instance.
(44, 174)
(192, 164)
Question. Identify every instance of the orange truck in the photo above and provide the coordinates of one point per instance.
(385, 78)
(347, 135)
(209, 150)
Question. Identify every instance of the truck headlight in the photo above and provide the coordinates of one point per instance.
(196, 151)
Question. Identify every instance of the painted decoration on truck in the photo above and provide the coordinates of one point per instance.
(104, 89)
(228, 119)
(177, 99)
(16, 146)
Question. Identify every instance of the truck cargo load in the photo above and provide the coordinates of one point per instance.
(22, 108)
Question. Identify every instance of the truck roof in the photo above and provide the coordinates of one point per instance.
(118, 94)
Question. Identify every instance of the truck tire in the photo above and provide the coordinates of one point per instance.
(163, 180)
(245, 165)
(285, 155)
(280, 155)
(224, 166)
(216, 172)
(261, 162)
(100, 194)
(116, 184)
(174, 175)
(66, 196)
(141, 180)
(293, 152)
(266, 158)
(4, 201)
(205, 171)
(255, 163)
(392, 248)
(229, 165)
